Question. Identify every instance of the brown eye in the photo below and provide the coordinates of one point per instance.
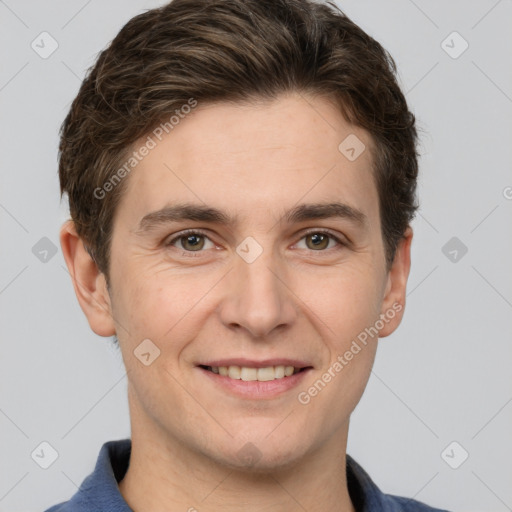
(192, 242)
(318, 241)
(321, 241)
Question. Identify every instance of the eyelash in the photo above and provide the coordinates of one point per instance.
(191, 254)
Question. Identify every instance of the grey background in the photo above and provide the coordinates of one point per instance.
(444, 376)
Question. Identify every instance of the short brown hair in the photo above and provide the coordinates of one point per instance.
(236, 51)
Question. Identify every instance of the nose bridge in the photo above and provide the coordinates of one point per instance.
(258, 299)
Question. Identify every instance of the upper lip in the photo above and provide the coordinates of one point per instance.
(252, 363)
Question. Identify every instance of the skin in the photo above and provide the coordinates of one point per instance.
(295, 300)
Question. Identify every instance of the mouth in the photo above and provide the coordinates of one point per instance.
(252, 379)
(252, 373)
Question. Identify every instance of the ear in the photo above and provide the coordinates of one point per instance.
(89, 283)
(393, 304)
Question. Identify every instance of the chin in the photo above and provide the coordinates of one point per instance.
(262, 456)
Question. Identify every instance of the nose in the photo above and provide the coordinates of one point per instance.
(257, 297)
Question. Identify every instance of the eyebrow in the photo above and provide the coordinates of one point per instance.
(203, 213)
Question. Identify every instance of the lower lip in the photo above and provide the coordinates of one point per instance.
(254, 389)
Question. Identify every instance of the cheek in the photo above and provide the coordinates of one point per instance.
(346, 300)
(143, 308)
(348, 306)
(161, 305)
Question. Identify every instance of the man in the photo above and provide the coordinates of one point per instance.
(241, 177)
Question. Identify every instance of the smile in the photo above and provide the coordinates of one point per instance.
(247, 373)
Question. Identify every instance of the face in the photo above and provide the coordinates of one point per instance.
(274, 259)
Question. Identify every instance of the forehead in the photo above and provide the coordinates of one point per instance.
(249, 159)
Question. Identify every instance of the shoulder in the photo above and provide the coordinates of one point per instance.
(402, 504)
(60, 507)
(367, 497)
(99, 490)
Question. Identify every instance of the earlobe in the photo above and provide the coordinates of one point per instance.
(393, 303)
(89, 283)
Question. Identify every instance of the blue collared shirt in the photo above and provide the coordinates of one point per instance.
(99, 492)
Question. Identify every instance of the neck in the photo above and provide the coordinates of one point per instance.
(164, 475)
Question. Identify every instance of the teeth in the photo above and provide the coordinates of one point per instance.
(250, 374)
(266, 374)
(234, 372)
(279, 372)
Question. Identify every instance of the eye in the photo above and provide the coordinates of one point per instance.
(321, 240)
(190, 241)
(194, 241)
